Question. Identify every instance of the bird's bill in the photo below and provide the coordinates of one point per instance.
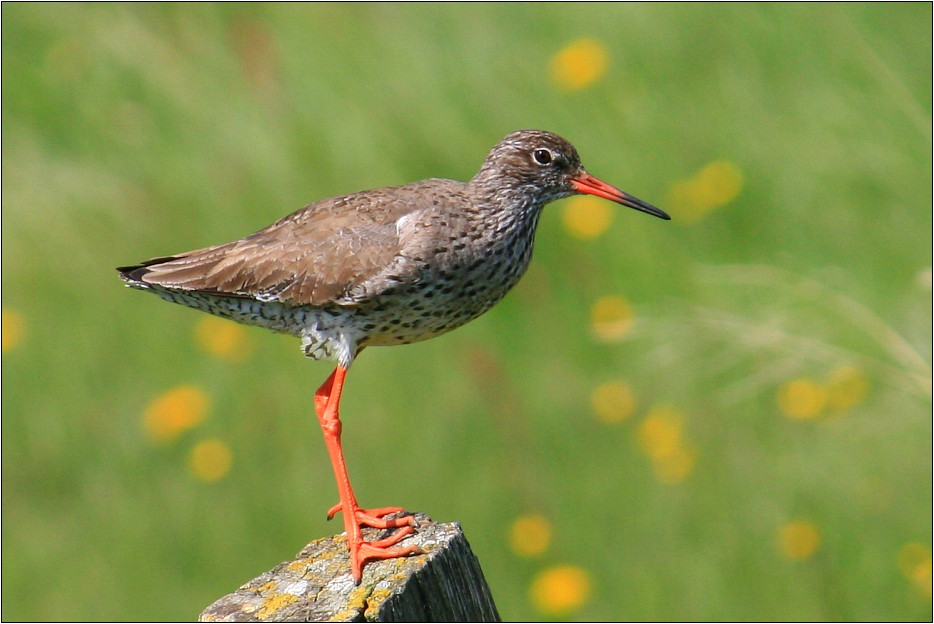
(589, 185)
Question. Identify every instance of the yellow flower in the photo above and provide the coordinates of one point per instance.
(210, 460)
(675, 468)
(914, 561)
(660, 433)
(587, 217)
(661, 438)
(798, 540)
(611, 318)
(222, 338)
(174, 412)
(613, 401)
(713, 186)
(560, 589)
(14, 329)
(802, 398)
(846, 387)
(579, 64)
(530, 535)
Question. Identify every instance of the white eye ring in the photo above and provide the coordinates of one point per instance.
(542, 156)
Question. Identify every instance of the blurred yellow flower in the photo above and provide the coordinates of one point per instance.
(845, 388)
(675, 468)
(14, 329)
(222, 338)
(713, 186)
(587, 217)
(914, 561)
(661, 438)
(579, 64)
(530, 535)
(611, 318)
(560, 589)
(660, 432)
(174, 412)
(798, 540)
(210, 460)
(613, 401)
(802, 398)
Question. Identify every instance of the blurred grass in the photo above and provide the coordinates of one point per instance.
(136, 131)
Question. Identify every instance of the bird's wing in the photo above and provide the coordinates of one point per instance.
(315, 255)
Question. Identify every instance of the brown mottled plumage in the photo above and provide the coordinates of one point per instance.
(383, 267)
(319, 254)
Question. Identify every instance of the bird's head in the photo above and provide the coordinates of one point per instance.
(539, 167)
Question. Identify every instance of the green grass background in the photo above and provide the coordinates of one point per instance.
(136, 131)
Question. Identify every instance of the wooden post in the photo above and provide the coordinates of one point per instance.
(445, 584)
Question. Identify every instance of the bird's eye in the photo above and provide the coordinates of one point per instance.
(542, 156)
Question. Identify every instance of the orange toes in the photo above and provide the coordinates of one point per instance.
(373, 518)
(393, 539)
(363, 552)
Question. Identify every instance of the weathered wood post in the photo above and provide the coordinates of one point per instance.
(445, 584)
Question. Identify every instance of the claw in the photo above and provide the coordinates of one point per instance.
(366, 518)
(374, 517)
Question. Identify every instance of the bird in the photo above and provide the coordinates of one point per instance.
(381, 267)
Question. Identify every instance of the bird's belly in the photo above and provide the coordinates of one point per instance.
(423, 310)
(278, 317)
(417, 320)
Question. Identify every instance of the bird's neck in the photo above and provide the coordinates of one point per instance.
(506, 199)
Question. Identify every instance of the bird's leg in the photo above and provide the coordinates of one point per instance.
(367, 517)
(327, 402)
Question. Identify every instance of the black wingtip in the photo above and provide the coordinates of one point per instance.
(135, 272)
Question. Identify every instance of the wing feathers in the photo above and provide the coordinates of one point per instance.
(318, 254)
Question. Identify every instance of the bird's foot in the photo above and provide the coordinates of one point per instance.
(362, 551)
(376, 517)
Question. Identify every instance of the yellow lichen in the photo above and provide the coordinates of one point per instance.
(274, 604)
(262, 589)
(375, 602)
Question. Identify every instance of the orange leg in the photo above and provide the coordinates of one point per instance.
(327, 401)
